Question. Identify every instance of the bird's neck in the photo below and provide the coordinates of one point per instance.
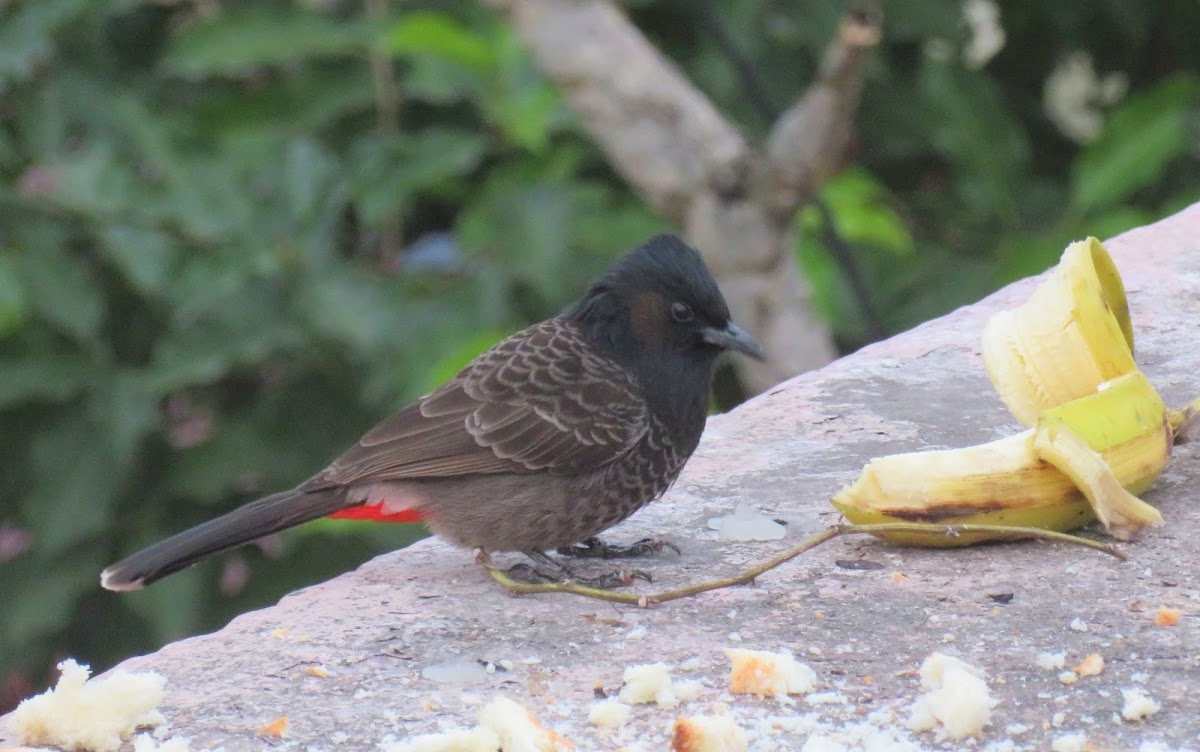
(676, 386)
(677, 390)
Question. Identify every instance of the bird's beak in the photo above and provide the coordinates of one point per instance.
(733, 337)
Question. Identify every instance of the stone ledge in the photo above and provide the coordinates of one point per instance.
(863, 632)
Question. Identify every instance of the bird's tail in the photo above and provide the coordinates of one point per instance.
(267, 515)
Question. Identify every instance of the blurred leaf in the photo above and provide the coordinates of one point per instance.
(1139, 140)
(353, 307)
(391, 172)
(975, 130)
(530, 224)
(526, 115)
(12, 297)
(143, 255)
(62, 290)
(25, 35)
(858, 203)
(438, 81)
(429, 33)
(172, 610)
(1024, 256)
(456, 359)
(238, 41)
(310, 173)
(72, 495)
(918, 21)
(204, 346)
(520, 100)
(832, 296)
(1180, 201)
(312, 97)
(1116, 221)
(124, 404)
(43, 377)
(41, 591)
(91, 181)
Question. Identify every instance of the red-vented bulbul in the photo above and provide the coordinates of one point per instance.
(543, 441)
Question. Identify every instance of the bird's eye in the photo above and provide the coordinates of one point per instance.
(682, 312)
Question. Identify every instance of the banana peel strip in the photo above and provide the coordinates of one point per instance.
(1122, 514)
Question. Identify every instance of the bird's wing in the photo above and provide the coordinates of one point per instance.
(542, 400)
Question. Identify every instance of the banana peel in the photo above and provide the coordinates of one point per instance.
(1082, 461)
(1099, 432)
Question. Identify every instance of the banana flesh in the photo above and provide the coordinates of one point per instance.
(1072, 335)
(1098, 431)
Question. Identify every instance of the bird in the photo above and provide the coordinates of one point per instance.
(540, 443)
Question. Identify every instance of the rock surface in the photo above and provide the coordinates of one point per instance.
(864, 631)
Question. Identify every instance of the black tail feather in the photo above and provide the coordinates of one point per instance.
(267, 515)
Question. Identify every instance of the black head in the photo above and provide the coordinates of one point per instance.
(660, 300)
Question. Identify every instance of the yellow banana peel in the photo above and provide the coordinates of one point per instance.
(1073, 334)
(1099, 432)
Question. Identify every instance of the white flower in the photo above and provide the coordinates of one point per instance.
(987, 35)
(1074, 95)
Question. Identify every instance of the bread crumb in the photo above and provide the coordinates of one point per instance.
(766, 674)
(826, 698)
(89, 714)
(503, 724)
(280, 633)
(1068, 677)
(318, 671)
(898, 577)
(1052, 661)
(1138, 704)
(1079, 625)
(147, 743)
(707, 733)
(610, 713)
(1166, 617)
(276, 728)
(478, 739)
(652, 683)
(1076, 742)
(1091, 666)
(518, 729)
(956, 702)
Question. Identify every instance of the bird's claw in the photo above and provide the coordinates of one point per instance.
(615, 579)
(594, 548)
(532, 575)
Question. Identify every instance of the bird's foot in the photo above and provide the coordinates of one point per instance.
(532, 575)
(594, 548)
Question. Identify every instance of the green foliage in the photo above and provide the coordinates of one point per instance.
(1142, 138)
(234, 235)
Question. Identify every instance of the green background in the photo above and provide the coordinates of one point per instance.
(220, 263)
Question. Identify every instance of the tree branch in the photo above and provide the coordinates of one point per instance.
(387, 113)
(808, 141)
(663, 135)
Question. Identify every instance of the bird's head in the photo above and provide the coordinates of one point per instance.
(660, 299)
